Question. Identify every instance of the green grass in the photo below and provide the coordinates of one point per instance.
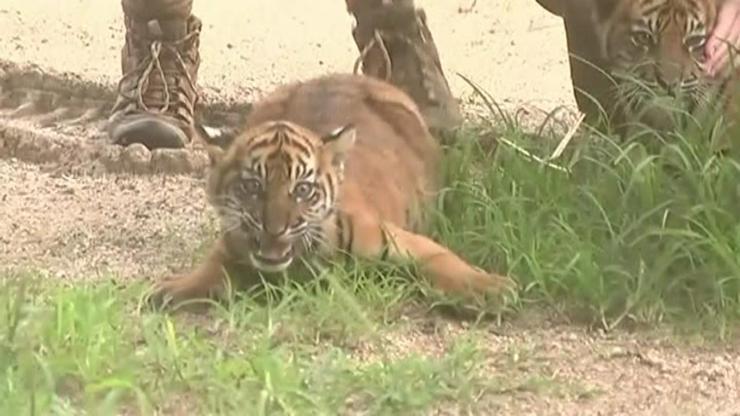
(88, 349)
(643, 230)
(630, 235)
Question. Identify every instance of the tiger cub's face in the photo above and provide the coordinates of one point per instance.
(654, 50)
(274, 187)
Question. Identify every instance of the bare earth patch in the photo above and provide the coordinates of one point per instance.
(557, 369)
(75, 207)
(79, 227)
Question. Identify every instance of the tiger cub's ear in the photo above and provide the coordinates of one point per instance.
(217, 140)
(217, 136)
(339, 142)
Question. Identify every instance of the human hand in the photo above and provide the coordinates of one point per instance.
(724, 39)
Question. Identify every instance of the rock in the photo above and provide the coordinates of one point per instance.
(136, 158)
(178, 161)
(170, 161)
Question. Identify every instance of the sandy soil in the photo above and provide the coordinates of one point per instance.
(76, 226)
(514, 48)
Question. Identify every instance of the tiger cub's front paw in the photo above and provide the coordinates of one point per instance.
(173, 290)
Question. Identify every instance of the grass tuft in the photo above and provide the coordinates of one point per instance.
(638, 231)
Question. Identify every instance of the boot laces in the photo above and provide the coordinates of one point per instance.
(379, 40)
(147, 66)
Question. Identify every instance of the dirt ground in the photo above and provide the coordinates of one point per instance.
(74, 226)
(514, 48)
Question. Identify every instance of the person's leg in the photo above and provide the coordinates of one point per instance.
(396, 44)
(553, 6)
(591, 85)
(160, 60)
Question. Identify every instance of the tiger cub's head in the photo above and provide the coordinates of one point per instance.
(654, 49)
(273, 186)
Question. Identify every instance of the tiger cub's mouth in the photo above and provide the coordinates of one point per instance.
(271, 254)
(269, 264)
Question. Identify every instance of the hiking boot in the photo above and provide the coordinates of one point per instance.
(157, 93)
(396, 45)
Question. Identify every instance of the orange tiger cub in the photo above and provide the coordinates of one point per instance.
(341, 163)
(655, 51)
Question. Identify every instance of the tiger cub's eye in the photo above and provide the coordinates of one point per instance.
(641, 38)
(303, 190)
(695, 45)
(695, 41)
(251, 186)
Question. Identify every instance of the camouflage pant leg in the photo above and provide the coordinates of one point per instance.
(590, 84)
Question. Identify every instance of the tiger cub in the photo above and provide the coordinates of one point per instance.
(340, 163)
(655, 52)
